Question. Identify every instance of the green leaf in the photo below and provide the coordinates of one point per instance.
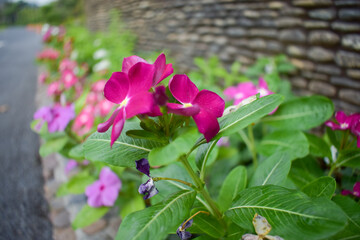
(233, 184)
(205, 156)
(171, 152)
(248, 114)
(352, 212)
(292, 142)
(206, 224)
(291, 213)
(302, 113)
(234, 232)
(77, 152)
(349, 158)
(318, 147)
(135, 204)
(143, 134)
(88, 215)
(78, 183)
(125, 150)
(53, 146)
(304, 171)
(273, 170)
(321, 187)
(156, 221)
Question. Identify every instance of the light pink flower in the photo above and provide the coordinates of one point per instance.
(131, 92)
(71, 164)
(54, 88)
(240, 92)
(98, 86)
(104, 191)
(84, 121)
(67, 65)
(68, 78)
(48, 54)
(43, 76)
(203, 106)
(263, 88)
(105, 107)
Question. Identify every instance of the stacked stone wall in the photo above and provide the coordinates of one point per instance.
(320, 37)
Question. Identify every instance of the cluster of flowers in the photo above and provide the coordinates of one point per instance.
(344, 123)
(57, 117)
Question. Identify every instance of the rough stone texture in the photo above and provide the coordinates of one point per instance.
(320, 37)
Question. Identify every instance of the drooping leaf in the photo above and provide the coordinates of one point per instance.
(135, 204)
(206, 224)
(172, 151)
(53, 145)
(292, 214)
(77, 152)
(205, 155)
(88, 215)
(321, 187)
(304, 171)
(125, 150)
(273, 170)
(156, 221)
(302, 113)
(233, 184)
(293, 142)
(318, 146)
(352, 212)
(349, 158)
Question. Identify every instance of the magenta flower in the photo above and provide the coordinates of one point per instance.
(344, 121)
(355, 192)
(84, 121)
(48, 53)
(67, 65)
(131, 92)
(104, 191)
(240, 92)
(263, 88)
(148, 189)
(54, 88)
(203, 106)
(71, 164)
(162, 70)
(68, 78)
(355, 127)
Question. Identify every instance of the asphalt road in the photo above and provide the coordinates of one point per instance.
(23, 209)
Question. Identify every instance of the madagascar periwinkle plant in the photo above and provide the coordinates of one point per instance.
(178, 160)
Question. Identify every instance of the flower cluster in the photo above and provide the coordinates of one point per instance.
(57, 117)
(48, 54)
(344, 122)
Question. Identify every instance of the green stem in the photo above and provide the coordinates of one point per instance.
(253, 148)
(194, 177)
(332, 169)
(173, 179)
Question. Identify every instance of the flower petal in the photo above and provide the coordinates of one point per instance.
(153, 191)
(103, 127)
(346, 192)
(332, 125)
(95, 201)
(109, 178)
(341, 117)
(140, 78)
(179, 109)
(211, 102)
(162, 70)
(109, 195)
(128, 62)
(117, 87)
(356, 189)
(118, 126)
(207, 124)
(143, 166)
(140, 103)
(182, 88)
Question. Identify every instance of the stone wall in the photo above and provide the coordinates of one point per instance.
(320, 37)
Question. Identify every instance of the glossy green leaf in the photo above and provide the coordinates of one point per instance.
(125, 151)
(206, 224)
(349, 158)
(302, 113)
(321, 187)
(304, 171)
(352, 211)
(142, 134)
(88, 215)
(53, 146)
(272, 170)
(233, 184)
(292, 214)
(135, 204)
(234, 232)
(77, 152)
(292, 142)
(156, 221)
(171, 152)
(318, 147)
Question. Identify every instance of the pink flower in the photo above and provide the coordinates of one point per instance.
(71, 164)
(104, 191)
(204, 106)
(47, 36)
(263, 88)
(84, 121)
(98, 86)
(162, 70)
(67, 65)
(240, 92)
(54, 88)
(355, 191)
(44, 114)
(343, 120)
(355, 127)
(105, 107)
(131, 92)
(42, 77)
(48, 53)
(92, 98)
(68, 78)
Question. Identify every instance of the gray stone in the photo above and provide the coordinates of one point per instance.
(316, 24)
(60, 219)
(320, 54)
(348, 59)
(276, 5)
(219, 22)
(354, 73)
(348, 108)
(64, 234)
(57, 204)
(220, 40)
(288, 22)
(302, 64)
(257, 43)
(324, 14)
(95, 227)
(274, 46)
(346, 27)
(345, 82)
(323, 37)
(292, 35)
(350, 95)
(266, 22)
(245, 22)
(314, 76)
(349, 14)
(299, 82)
(270, 33)
(269, 13)
(322, 88)
(296, 51)
(351, 41)
(347, 2)
(236, 31)
(328, 69)
(251, 14)
(292, 11)
(312, 3)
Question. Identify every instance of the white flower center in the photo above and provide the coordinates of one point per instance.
(124, 102)
(344, 125)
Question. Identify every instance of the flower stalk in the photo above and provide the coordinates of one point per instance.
(155, 179)
(184, 224)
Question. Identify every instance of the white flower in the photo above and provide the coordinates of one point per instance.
(102, 65)
(74, 55)
(99, 54)
(55, 31)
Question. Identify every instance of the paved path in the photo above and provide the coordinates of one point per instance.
(23, 209)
